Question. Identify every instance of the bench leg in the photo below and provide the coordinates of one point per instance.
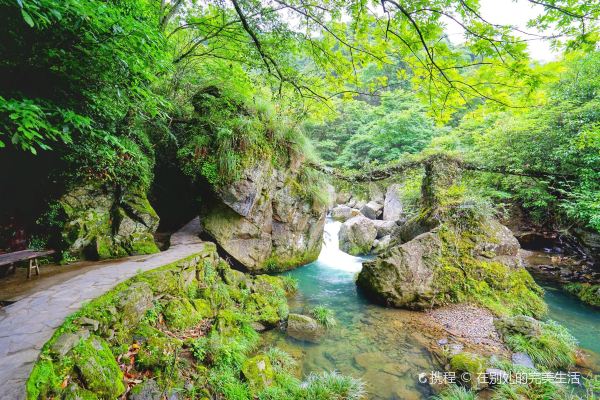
(33, 264)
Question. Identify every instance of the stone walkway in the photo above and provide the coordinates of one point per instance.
(28, 324)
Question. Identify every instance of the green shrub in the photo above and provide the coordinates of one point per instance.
(454, 392)
(589, 294)
(281, 360)
(554, 348)
(324, 316)
(332, 385)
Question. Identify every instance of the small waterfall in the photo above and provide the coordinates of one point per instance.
(331, 256)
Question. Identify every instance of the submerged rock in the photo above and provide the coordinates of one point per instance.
(357, 235)
(305, 328)
(262, 223)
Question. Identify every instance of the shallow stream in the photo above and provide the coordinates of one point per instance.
(380, 345)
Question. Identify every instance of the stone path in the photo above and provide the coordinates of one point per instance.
(30, 322)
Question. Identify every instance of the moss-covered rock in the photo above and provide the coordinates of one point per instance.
(74, 392)
(134, 302)
(181, 313)
(258, 372)
(304, 328)
(468, 363)
(103, 222)
(157, 350)
(587, 293)
(357, 235)
(452, 251)
(98, 368)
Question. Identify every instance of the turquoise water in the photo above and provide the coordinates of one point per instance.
(379, 345)
(386, 348)
(583, 321)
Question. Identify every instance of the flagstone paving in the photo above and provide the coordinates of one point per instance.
(30, 322)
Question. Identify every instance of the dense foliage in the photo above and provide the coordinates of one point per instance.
(363, 134)
(561, 139)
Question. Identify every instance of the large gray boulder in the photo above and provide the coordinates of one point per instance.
(343, 213)
(262, 223)
(403, 276)
(357, 235)
(372, 209)
(385, 228)
(412, 275)
(392, 206)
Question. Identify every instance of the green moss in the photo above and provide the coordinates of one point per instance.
(77, 393)
(587, 293)
(157, 351)
(98, 368)
(43, 380)
(258, 372)
(274, 263)
(460, 276)
(470, 363)
(181, 314)
(144, 245)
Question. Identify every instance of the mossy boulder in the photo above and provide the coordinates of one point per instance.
(98, 368)
(258, 372)
(182, 313)
(262, 222)
(134, 302)
(147, 390)
(452, 264)
(102, 222)
(74, 392)
(469, 367)
(157, 352)
(452, 251)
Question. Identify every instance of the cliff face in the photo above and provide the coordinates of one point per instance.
(104, 222)
(262, 222)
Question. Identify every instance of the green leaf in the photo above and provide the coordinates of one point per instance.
(27, 18)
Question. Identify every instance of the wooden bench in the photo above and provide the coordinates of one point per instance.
(32, 256)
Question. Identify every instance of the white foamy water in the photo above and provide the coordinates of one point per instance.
(331, 256)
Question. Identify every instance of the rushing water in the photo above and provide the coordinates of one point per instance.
(370, 342)
(385, 347)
